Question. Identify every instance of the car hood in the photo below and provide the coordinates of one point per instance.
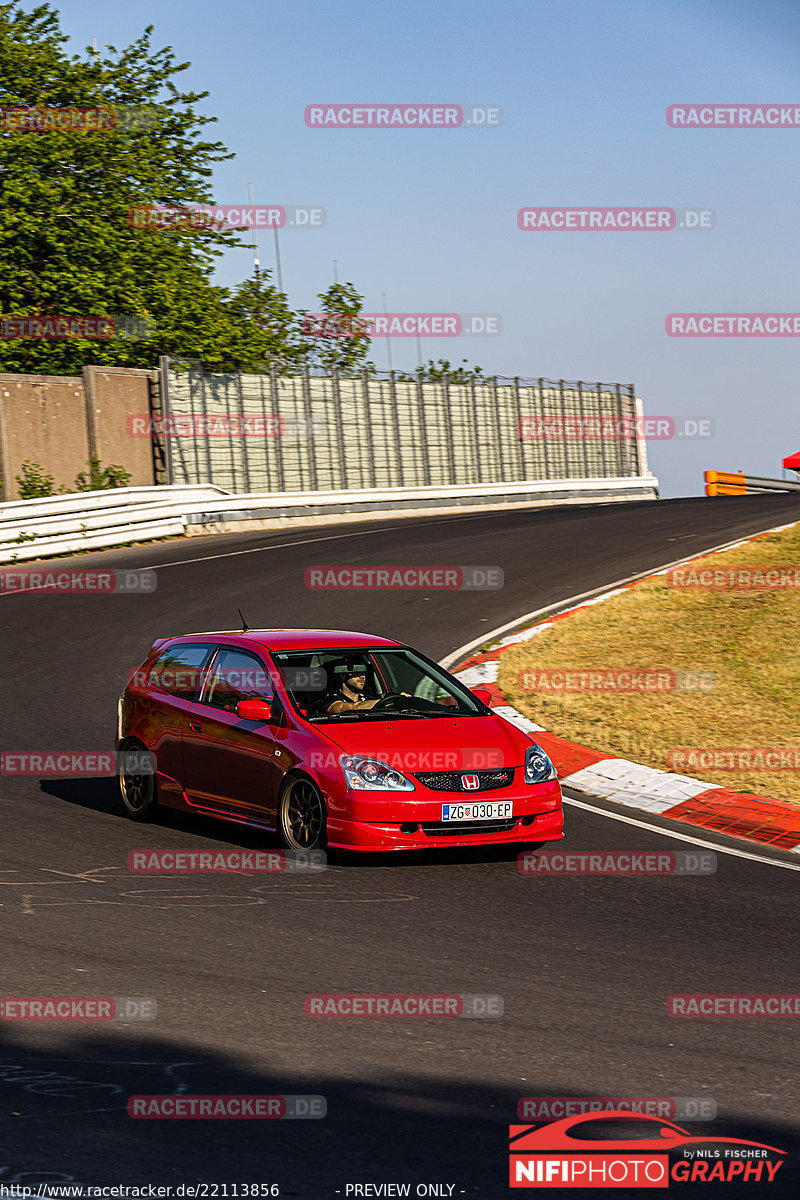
(436, 743)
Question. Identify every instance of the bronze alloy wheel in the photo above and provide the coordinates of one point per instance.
(301, 815)
(137, 787)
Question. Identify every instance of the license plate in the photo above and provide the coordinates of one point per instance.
(478, 810)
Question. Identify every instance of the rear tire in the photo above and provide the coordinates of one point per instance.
(302, 817)
(138, 790)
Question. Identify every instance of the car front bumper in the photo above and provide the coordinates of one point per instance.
(365, 824)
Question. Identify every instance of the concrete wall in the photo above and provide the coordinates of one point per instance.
(112, 395)
(44, 421)
(60, 422)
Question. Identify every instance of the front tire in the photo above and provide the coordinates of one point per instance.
(138, 790)
(302, 817)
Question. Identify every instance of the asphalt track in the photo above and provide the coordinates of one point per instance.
(583, 965)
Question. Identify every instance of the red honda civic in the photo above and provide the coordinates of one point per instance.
(332, 739)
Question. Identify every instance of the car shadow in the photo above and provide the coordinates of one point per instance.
(101, 795)
(65, 1116)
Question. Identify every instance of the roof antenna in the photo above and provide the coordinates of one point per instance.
(245, 626)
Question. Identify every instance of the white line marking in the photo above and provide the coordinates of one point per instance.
(79, 875)
(493, 634)
(682, 837)
(39, 882)
(187, 562)
(331, 537)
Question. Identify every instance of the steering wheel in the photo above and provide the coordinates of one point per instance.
(391, 700)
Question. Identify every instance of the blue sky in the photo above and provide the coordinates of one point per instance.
(429, 216)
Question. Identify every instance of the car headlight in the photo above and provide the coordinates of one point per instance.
(372, 775)
(538, 767)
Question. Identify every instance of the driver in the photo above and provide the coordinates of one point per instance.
(351, 676)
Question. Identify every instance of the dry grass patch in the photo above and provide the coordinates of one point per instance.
(749, 639)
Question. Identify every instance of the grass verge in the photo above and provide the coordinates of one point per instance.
(724, 669)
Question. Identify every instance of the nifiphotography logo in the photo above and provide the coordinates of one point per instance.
(588, 1151)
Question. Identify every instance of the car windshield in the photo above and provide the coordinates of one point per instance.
(367, 684)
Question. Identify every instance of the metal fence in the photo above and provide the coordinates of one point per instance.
(313, 432)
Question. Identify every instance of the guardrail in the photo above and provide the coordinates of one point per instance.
(94, 520)
(278, 507)
(736, 483)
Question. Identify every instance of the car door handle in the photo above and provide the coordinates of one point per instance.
(195, 727)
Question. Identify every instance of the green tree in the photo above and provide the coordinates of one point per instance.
(437, 371)
(66, 243)
(267, 330)
(335, 337)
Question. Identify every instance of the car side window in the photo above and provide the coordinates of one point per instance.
(236, 676)
(178, 670)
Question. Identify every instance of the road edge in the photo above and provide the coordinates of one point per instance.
(593, 773)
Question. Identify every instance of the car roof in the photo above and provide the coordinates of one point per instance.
(291, 639)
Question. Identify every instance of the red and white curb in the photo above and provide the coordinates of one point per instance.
(695, 801)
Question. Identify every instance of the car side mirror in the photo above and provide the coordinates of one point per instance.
(483, 694)
(254, 710)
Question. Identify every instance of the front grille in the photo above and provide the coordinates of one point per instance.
(451, 781)
(459, 828)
